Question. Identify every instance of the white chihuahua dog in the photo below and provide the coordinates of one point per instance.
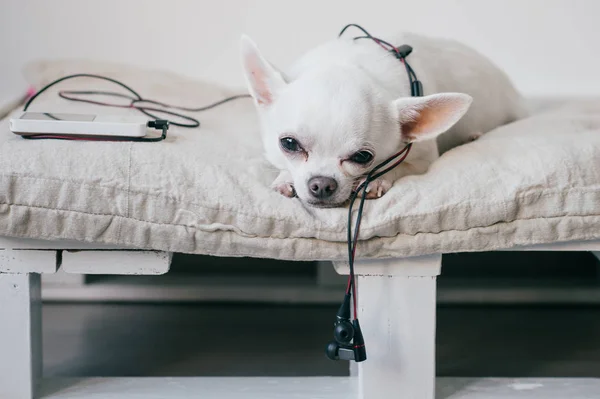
(346, 106)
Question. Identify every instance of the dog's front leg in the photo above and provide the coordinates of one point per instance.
(283, 184)
(380, 186)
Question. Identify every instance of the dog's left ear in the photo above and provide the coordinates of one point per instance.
(424, 118)
(262, 78)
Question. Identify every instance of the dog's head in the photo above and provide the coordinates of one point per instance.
(333, 125)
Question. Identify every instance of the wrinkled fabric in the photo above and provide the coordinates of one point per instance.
(206, 190)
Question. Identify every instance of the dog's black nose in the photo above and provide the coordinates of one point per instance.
(322, 187)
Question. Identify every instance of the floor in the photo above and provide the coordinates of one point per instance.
(235, 340)
(307, 387)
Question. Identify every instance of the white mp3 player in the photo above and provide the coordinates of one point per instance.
(34, 123)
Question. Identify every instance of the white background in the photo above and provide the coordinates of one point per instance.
(548, 47)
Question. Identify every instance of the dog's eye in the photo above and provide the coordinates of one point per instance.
(362, 157)
(290, 144)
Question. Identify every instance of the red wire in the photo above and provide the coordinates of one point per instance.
(354, 278)
(354, 299)
(386, 48)
(56, 136)
(381, 44)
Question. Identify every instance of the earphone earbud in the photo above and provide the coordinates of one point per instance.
(348, 343)
(343, 332)
(332, 350)
(356, 351)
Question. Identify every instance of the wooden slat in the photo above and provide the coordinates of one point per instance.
(116, 262)
(573, 246)
(28, 261)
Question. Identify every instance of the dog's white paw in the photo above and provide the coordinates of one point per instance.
(285, 189)
(283, 184)
(377, 188)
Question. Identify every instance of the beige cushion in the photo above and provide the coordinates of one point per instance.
(207, 190)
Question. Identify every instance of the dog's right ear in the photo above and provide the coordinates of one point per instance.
(424, 118)
(263, 80)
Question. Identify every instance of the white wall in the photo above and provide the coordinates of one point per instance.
(548, 47)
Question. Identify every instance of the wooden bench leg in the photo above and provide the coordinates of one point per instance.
(20, 335)
(396, 309)
(21, 320)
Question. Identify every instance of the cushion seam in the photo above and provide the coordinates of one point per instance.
(537, 193)
(266, 236)
(90, 239)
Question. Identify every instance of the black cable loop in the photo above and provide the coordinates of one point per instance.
(134, 99)
(415, 87)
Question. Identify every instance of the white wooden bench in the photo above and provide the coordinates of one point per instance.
(397, 308)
